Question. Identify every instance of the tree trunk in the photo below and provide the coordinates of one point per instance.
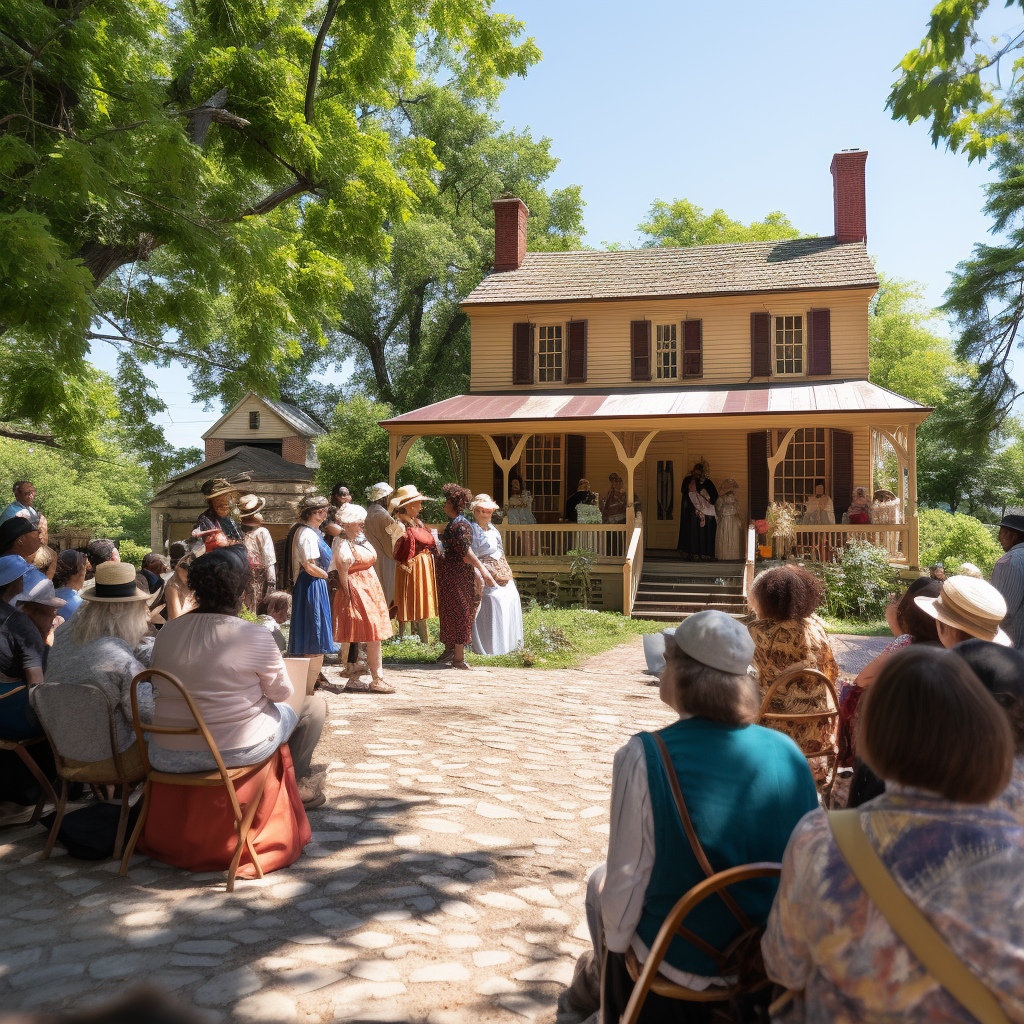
(101, 259)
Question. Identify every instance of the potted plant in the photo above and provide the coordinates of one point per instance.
(763, 545)
(781, 520)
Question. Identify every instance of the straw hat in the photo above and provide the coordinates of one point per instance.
(404, 495)
(42, 592)
(216, 487)
(350, 512)
(310, 503)
(249, 505)
(484, 501)
(114, 584)
(969, 604)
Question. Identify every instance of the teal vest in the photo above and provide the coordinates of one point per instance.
(745, 787)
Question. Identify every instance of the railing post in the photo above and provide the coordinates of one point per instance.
(913, 540)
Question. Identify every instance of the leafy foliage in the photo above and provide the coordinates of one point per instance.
(681, 223)
(132, 553)
(858, 583)
(581, 570)
(954, 539)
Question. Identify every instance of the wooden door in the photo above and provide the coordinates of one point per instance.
(663, 473)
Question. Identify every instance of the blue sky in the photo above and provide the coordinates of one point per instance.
(738, 105)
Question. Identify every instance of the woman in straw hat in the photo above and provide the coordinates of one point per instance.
(360, 609)
(260, 546)
(967, 607)
(415, 547)
(498, 626)
(219, 495)
(729, 535)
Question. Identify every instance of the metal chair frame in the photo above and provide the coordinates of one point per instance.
(223, 776)
(18, 746)
(648, 979)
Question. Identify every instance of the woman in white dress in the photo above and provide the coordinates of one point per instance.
(519, 512)
(498, 627)
(729, 535)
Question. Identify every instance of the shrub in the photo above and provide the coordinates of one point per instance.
(858, 585)
(132, 552)
(953, 539)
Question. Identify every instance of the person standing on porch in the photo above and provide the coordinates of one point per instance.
(579, 497)
(729, 535)
(697, 522)
(380, 532)
(1008, 576)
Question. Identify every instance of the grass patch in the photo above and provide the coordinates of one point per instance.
(554, 638)
(857, 627)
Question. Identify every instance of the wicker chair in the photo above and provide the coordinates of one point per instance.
(648, 979)
(70, 714)
(223, 776)
(19, 747)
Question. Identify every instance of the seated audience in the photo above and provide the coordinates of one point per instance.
(275, 610)
(153, 567)
(788, 632)
(98, 647)
(100, 551)
(745, 788)
(39, 601)
(945, 750)
(966, 608)
(19, 537)
(69, 578)
(22, 652)
(45, 560)
(234, 672)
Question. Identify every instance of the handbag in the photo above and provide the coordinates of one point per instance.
(909, 923)
(499, 569)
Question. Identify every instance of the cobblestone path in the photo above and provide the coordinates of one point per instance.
(444, 884)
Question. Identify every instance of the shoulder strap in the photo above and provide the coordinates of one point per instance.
(691, 834)
(909, 923)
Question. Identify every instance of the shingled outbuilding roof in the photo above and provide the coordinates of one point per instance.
(799, 264)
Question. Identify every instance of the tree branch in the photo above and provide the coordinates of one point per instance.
(314, 61)
(275, 199)
(26, 435)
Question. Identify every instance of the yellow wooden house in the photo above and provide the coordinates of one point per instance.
(751, 356)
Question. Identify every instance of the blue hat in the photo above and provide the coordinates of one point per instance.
(12, 567)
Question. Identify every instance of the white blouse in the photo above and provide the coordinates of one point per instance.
(486, 543)
(344, 552)
(305, 548)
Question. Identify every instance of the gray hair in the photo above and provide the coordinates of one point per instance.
(706, 692)
(128, 620)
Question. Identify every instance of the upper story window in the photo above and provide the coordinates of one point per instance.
(667, 354)
(789, 346)
(254, 420)
(549, 353)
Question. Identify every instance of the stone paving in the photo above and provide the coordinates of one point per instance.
(444, 883)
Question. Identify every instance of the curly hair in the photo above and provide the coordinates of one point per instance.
(787, 592)
(69, 564)
(219, 578)
(459, 496)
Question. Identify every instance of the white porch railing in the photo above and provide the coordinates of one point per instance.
(542, 541)
(632, 570)
(822, 543)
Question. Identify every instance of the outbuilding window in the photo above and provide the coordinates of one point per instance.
(549, 354)
(789, 346)
(254, 420)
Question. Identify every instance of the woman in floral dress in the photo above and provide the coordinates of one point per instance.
(460, 578)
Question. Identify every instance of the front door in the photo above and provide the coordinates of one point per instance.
(663, 475)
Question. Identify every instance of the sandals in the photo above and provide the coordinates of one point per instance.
(379, 686)
(446, 657)
(356, 685)
(323, 683)
(458, 664)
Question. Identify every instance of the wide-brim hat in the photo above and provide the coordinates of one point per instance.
(350, 512)
(250, 505)
(377, 491)
(114, 583)
(971, 605)
(406, 494)
(1013, 522)
(484, 501)
(216, 487)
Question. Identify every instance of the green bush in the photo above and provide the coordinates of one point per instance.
(953, 539)
(132, 553)
(858, 585)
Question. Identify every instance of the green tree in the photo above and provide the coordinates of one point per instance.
(680, 223)
(215, 168)
(954, 539)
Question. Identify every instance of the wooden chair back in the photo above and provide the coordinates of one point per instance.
(648, 979)
(775, 719)
(223, 776)
(19, 747)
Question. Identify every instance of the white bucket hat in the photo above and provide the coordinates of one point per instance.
(971, 605)
(484, 501)
(351, 513)
(377, 491)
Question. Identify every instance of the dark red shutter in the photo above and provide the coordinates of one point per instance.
(760, 345)
(640, 349)
(842, 471)
(576, 359)
(522, 353)
(575, 460)
(757, 473)
(693, 336)
(819, 341)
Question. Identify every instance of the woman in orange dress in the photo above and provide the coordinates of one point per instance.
(360, 608)
(415, 586)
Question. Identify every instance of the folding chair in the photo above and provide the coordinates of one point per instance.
(648, 979)
(774, 720)
(70, 714)
(18, 746)
(223, 776)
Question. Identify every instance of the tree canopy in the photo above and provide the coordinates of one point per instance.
(216, 168)
(680, 223)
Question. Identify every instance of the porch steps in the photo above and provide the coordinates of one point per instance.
(671, 590)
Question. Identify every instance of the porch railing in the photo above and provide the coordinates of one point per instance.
(541, 541)
(632, 570)
(823, 543)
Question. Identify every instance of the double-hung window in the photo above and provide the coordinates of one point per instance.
(549, 353)
(789, 346)
(667, 353)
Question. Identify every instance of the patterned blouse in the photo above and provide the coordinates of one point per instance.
(961, 864)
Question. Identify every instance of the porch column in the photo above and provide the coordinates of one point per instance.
(913, 553)
(621, 442)
(506, 464)
(398, 449)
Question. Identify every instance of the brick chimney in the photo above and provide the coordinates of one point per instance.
(510, 217)
(849, 202)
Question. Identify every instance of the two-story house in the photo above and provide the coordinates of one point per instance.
(753, 356)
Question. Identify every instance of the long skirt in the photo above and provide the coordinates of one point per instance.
(458, 600)
(729, 539)
(498, 627)
(416, 590)
(311, 633)
(695, 540)
(364, 617)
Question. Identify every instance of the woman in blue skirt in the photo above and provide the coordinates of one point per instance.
(307, 559)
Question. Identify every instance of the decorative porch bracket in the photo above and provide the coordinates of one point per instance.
(630, 452)
(506, 464)
(774, 460)
(398, 446)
